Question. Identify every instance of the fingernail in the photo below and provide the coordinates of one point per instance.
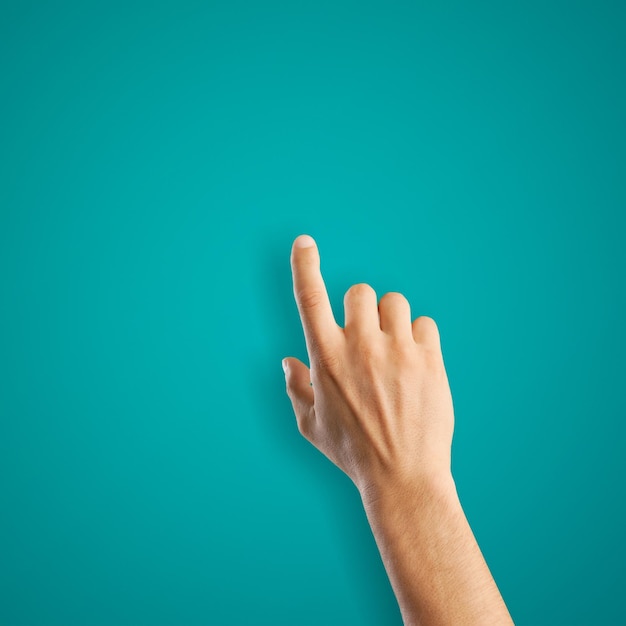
(304, 241)
(285, 365)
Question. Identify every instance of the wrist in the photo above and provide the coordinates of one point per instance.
(394, 492)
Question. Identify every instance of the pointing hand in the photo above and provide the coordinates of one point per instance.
(379, 406)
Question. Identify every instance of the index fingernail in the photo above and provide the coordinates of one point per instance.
(304, 241)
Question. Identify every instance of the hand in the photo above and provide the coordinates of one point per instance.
(380, 406)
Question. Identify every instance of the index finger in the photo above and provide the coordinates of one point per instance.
(316, 314)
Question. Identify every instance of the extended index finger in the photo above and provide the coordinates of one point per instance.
(316, 314)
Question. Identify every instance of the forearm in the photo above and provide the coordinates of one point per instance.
(433, 561)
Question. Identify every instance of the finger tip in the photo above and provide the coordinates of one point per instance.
(304, 241)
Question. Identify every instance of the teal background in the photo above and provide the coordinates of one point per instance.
(157, 161)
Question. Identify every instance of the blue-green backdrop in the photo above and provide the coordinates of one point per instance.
(157, 161)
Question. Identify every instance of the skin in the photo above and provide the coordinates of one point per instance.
(380, 408)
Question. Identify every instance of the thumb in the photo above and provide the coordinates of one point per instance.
(299, 389)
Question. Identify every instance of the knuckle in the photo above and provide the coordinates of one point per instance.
(327, 360)
(369, 349)
(429, 356)
(304, 422)
(359, 290)
(403, 349)
(434, 361)
(309, 299)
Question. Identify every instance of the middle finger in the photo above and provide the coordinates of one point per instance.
(361, 309)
